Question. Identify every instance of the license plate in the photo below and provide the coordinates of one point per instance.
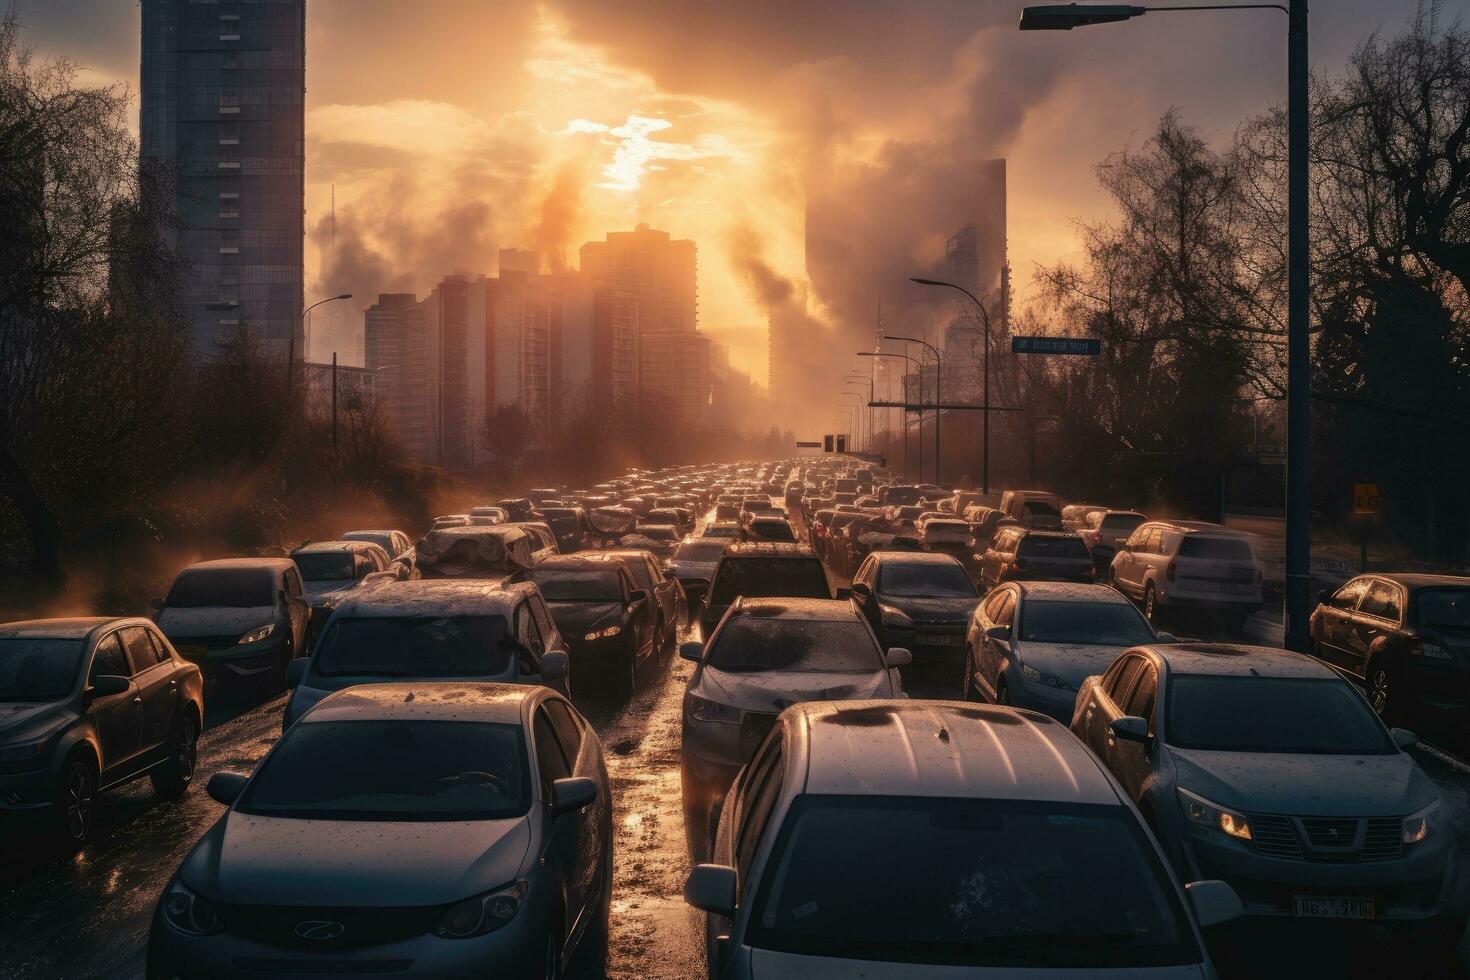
(938, 640)
(1332, 907)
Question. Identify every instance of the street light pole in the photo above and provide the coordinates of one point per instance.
(851, 378)
(857, 416)
(291, 341)
(985, 410)
(938, 373)
(1064, 17)
(918, 373)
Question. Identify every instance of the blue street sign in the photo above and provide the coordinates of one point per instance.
(1085, 346)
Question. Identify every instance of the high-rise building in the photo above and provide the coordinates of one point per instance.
(398, 351)
(222, 126)
(660, 274)
(615, 354)
(447, 317)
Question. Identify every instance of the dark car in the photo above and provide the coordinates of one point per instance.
(763, 570)
(87, 705)
(767, 528)
(670, 604)
(694, 564)
(435, 830)
(1406, 638)
(609, 624)
(331, 570)
(1020, 554)
(569, 524)
(396, 544)
(659, 539)
(919, 601)
(242, 620)
(517, 508)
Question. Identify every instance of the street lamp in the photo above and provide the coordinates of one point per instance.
(918, 374)
(863, 379)
(938, 373)
(857, 415)
(1064, 17)
(291, 341)
(985, 411)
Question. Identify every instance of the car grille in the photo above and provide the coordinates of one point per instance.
(1327, 840)
(276, 926)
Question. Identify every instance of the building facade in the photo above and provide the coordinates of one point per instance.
(398, 350)
(222, 131)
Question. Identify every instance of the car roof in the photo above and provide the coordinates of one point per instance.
(1071, 592)
(945, 749)
(446, 597)
(425, 701)
(818, 610)
(1202, 527)
(769, 549)
(68, 628)
(1044, 533)
(386, 530)
(914, 558)
(1238, 660)
(329, 547)
(213, 564)
(579, 560)
(1421, 580)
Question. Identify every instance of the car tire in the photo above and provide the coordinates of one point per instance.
(1150, 604)
(76, 803)
(172, 777)
(1379, 684)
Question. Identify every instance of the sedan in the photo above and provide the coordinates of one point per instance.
(609, 623)
(419, 829)
(919, 601)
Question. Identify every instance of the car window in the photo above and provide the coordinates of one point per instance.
(568, 732)
(761, 798)
(993, 604)
(110, 659)
(1155, 543)
(160, 647)
(140, 649)
(293, 584)
(1145, 692)
(754, 643)
(543, 619)
(1123, 680)
(527, 631)
(1005, 613)
(551, 761)
(1382, 601)
(1347, 597)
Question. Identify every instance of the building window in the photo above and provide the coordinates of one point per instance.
(229, 214)
(229, 164)
(229, 195)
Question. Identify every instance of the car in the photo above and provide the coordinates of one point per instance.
(767, 654)
(727, 511)
(1032, 644)
(767, 527)
(397, 545)
(332, 569)
(431, 631)
(1190, 567)
(1021, 553)
(694, 563)
(761, 570)
(721, 529)
(666, 596)
(242, 620)
(485, 553)
(1104, 532)
(569, 524)
(1048, 512)
(86, 705)
(543, 539)
(658, 539)
(450, 520)
(916, 600)
(1009, 851)
(610, 624)
(1406, 638)
(949, 536)
(1312, 809)
(680, 517)
(517, 509)
(1074, 516)
(429, 829)
(489, 515)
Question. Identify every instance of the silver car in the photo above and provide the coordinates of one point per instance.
(1268, 770)
(940, 840)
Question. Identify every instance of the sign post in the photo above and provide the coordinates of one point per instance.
(1080, 346)
(1366, 503)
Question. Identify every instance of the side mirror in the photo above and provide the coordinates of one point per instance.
(1404, 738)
(106, 685)
(295, 671)
(711, 888)
(226, 787)
(1214, 902)
(898, 657)
(1131, 728)
(554, 666)
(1166, 637)
(998, 633)
(572, 794)
(693, 650)
(861, 590)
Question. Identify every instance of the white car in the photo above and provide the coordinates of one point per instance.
(937, 840)
(1190, 566)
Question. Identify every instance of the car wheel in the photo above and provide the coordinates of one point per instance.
(76, 804)
(1381, 688)
(1150, 604)
(176, 772)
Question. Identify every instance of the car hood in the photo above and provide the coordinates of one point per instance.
(255, 860)
(774, 690)
(693, 569)
(331, 590)
(181, 623)
(575, 618)
(933, 610)
(768, 964)
(1306, 785)
(1069, 662)
(25, 721)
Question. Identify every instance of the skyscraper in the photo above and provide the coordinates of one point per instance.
(399, 351)
(223, 126)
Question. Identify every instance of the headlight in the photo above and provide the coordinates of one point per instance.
(481, 914)
(895, 617)
(703, 709)
(1416, 825)
(1201, 811)
(23, 751)
(599, 634)
(258, 634)
(1041, 677)
(189, 912)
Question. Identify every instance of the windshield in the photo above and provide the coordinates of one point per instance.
(567, 585)
(1121, 523)
(237, 587)
(1272, 714)
(798, 578)
(38, 668)
(1112, 624)
(1233, 549)
(973, 882)
(946, 581)
(1033, 546)
(1443, 609)
(752, 643)
(699, 551)
(325, 567)
(413, 646)
(383, 540)
(393, 771)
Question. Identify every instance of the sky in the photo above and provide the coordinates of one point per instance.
(451, 128)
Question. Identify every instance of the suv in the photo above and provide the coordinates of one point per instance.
(332, 569)
(1014, 852)
(237, 618)
(1020, 553)
(1104, 531)
(1190, 566)
(1036, 507)
(758, 570)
